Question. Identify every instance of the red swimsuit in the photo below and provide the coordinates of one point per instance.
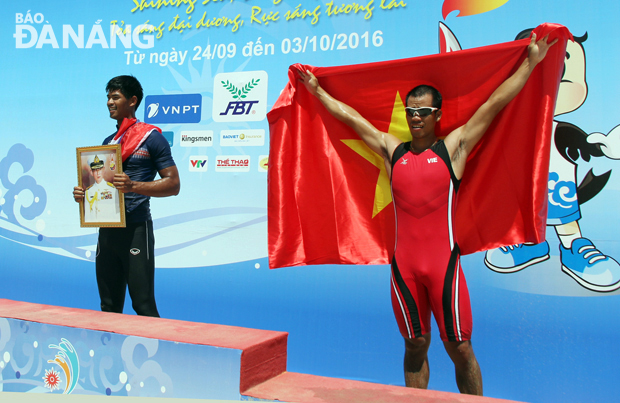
(426, 269)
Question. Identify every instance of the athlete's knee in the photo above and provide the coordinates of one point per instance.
(461, 352)
(418, 345)
(416, 350)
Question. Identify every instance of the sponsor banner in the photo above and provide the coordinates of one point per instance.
(198, 163)
(169, 136)
(263, 162)
(179, 108)
(232, 163)
(240, 96)
(242, 137)
(196, 138)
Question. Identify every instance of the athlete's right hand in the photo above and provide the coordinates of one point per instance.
(78, 194)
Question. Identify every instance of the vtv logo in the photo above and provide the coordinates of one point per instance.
(179, 108)
(198, 163)
(240, 97)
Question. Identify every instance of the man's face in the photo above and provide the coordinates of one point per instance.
(119, 106)
(421, 127)
(98, 174)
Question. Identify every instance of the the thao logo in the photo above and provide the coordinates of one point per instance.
(180, 108)
(198, 163)
(232, 163)
(240, 97)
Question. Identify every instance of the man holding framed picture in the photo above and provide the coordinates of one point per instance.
(125, 256)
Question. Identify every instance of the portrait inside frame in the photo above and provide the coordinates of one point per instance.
(103, 205)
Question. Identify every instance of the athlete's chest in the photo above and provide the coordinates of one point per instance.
(420, 178)
(139, 160)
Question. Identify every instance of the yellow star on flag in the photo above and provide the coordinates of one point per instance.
(398, 127)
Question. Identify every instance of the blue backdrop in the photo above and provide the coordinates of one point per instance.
(538, 334)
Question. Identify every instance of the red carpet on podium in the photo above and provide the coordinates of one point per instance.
(47, 348)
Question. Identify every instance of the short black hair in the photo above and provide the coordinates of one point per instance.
(422, 90)
(128, 86)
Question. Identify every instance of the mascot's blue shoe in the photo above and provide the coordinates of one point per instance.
(589, 267)
(510, 259)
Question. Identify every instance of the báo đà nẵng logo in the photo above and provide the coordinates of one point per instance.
(240, 97)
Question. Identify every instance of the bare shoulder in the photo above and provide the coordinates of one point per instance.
(456, 145)
(391, 142)
(453, 140)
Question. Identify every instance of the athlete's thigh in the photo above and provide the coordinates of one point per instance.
(108, 259)
(410, 301)
(450, 301)
(140, 257)
(111, 276)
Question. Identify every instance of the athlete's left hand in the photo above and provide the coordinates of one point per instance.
(122, 182)
(537, 51)
(309, 80)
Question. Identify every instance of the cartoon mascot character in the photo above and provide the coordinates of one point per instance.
(580, 259)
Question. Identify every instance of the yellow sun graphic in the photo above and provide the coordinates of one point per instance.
(398, 127)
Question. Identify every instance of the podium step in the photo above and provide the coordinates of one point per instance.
(303, 388)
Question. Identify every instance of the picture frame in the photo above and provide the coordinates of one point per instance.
(103, 204)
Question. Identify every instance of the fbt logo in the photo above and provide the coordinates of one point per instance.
(196, 138)
(180, 108)
(232, 163)
(198, 163)
(242, 137)
(240, 97)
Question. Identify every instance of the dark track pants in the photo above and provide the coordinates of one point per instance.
(125, 258)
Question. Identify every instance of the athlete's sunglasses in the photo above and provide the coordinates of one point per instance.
(422, 112)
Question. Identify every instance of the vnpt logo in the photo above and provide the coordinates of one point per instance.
(181, 108)
(198, 163)
(240, 97)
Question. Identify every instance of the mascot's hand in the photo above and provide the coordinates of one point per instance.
(609, 144)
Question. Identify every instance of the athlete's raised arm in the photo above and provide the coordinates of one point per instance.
(378, 141)
(461, 141)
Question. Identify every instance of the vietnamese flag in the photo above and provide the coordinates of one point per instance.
(329, 198)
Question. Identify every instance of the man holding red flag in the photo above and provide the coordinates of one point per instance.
(425, 175)
(125, 256)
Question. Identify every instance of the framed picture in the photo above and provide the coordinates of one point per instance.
(103, 205)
